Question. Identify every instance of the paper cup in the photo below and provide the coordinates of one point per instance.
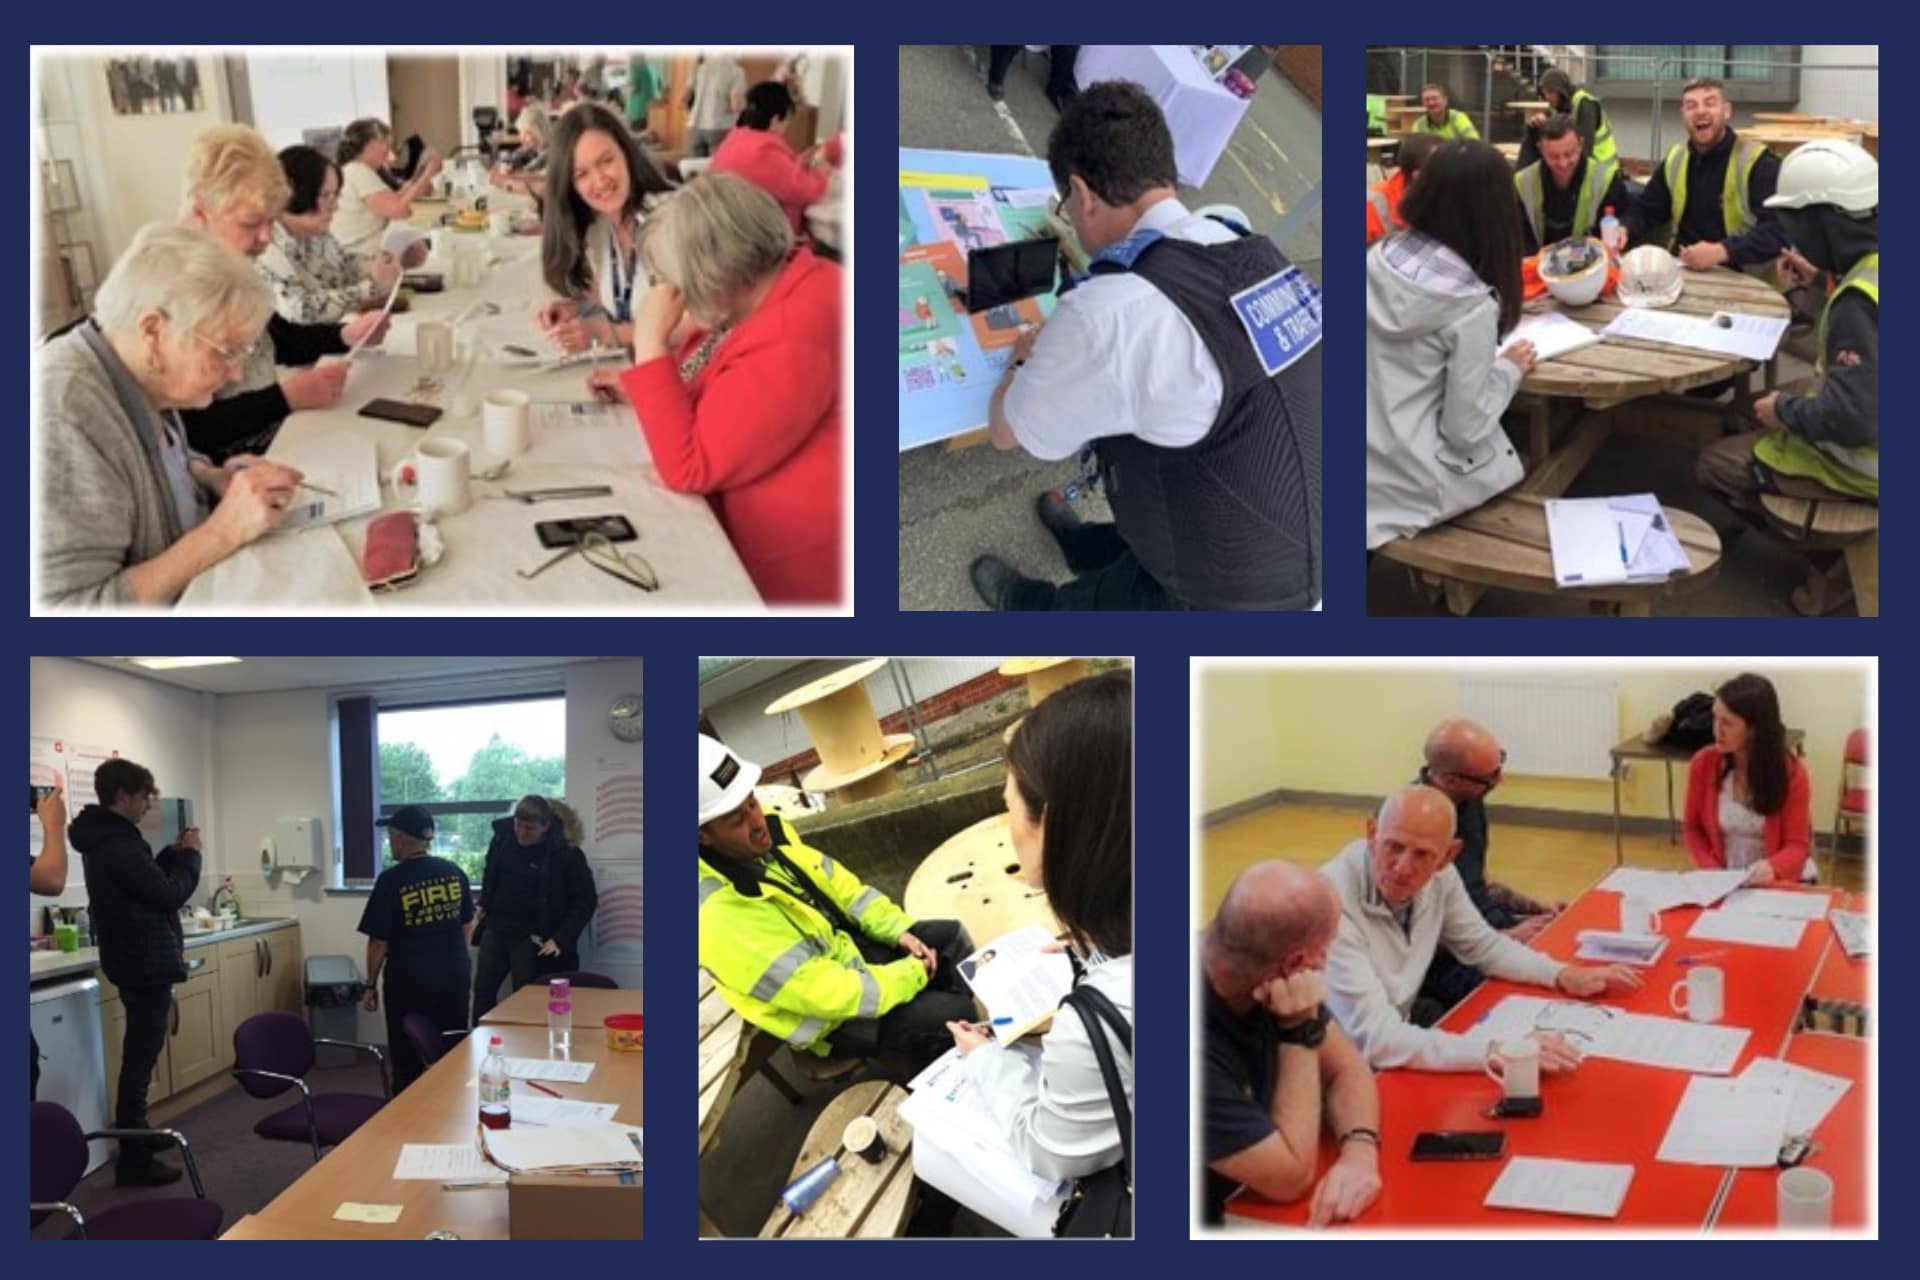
(862, 1138)
(1806, 1198)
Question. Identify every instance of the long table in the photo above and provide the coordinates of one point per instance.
(592, 1006)
(1606, 1110)
(318, 568)
(1843, 1140)
(439, 1107)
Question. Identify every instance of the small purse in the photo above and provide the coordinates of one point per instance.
(392, 557)
(1101, 1204)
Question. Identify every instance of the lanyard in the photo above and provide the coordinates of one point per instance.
(622, 278)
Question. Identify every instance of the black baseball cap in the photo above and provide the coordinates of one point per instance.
(412, 819)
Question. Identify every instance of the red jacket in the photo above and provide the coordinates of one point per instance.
(764, 159)
(758, 432)
(1788, 831)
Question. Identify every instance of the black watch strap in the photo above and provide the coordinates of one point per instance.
(1309, 1033)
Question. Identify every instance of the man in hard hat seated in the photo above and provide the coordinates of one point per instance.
(1820, 440)
(1383, 200)
(805, 951)
(1704, 202)
(1567, 192)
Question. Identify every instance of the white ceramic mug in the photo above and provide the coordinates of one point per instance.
(1706, 994)
(1806, 1198)
(1637, 915)
(508, 422)
(500, 222)
(440, 470)
(1518, 1063)
(434, 345)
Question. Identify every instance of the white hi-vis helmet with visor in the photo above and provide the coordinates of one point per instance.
(1828, 171)
(725, 780)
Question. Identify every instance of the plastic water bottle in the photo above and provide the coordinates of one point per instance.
(1609, 227)
(559, 1018)
(496, 1089)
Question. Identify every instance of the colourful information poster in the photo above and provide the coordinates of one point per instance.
(952, 202)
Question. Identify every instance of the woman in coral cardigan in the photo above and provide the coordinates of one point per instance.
(1748, 800)
(736, 380)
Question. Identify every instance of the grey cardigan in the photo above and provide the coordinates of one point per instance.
(104, 503)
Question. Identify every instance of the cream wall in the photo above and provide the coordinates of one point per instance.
(1358, 730)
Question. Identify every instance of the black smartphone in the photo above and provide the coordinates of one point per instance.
(35, 795)
(425, 281)
(413, 415)
(1515, 1108)
(1460, 1144)
(1007, 273)
(564, 533)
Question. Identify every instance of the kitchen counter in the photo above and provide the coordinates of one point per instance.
(43, 966)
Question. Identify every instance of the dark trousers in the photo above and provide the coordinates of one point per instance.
(918, 1028)
(147, 1010)
(1060, 83)
(1109, 576)
(1447, 983)
(508, 954)
(440, 995)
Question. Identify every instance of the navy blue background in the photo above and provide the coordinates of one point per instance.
(1160, 644)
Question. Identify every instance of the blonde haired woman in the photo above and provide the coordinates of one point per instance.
(236, 191)
(736, 380)
(129, 514)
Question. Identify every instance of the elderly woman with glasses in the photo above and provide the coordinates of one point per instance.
(237, 191)
(129, 514)
(736, 380)
(536, 897)
(315, 280)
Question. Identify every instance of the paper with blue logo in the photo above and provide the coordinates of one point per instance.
(1281, 315)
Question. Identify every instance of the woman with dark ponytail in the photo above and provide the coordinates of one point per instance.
(756, 151)
(1748, 798)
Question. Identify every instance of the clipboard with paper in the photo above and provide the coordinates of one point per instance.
(1020, 984)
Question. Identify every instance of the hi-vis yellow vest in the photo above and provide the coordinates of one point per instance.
(1458, 127)
(1531, 183)
(1851, 471)
(1736, 211)
(1603, 149)
(783, 965)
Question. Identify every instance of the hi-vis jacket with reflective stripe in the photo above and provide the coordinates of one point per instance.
(784, 965)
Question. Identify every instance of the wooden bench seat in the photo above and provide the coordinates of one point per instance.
(1852, 528)
(1504, 544)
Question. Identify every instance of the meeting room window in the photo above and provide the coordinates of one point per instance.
(464, 762)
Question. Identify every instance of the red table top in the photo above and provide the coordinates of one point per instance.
(1839, 978)
(1843, 1154)
(1606, 1111)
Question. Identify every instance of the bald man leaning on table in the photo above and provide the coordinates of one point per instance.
(1400, 901)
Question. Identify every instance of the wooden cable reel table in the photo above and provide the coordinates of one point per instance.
(856, 759)
(1045, 676)
(866, 1200)
(973, 877)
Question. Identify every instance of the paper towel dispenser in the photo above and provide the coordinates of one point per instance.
(294, 848)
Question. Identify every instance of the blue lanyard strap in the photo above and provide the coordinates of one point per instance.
(622, 279)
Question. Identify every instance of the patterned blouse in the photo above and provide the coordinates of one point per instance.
(314, 279)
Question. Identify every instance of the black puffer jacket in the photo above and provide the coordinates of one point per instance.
(135, 898)
(566, 897)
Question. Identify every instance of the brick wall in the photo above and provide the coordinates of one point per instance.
(1300, 63)
(946, 703)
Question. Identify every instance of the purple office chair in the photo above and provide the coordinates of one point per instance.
(429, 1041)
(274, 1050)
(59, 1161)
(597, 980)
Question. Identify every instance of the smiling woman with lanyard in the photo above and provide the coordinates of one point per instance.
(600, 183)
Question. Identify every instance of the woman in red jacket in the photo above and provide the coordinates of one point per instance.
(755, 150)
(736, 380)
(1748, 801)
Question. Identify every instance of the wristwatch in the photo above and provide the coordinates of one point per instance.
(1309, 1033)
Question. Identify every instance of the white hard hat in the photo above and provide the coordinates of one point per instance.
(1575, 270)
(1828, 171)
(725, 779)
(1650, 277)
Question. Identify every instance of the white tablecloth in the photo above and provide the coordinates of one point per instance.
(1200, 111)
(316, 569)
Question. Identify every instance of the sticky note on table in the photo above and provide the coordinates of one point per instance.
(352, 1212)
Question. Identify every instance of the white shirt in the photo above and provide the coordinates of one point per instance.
(1118, 357)
(713, 88)
(1064, 1129)
(597, 244)
(1375, 966)
(355, 226)
(1743, 832)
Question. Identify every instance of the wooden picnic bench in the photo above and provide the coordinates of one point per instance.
(1852, 528)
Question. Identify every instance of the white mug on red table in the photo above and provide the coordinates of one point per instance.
(508, 422)
(440, 477)
(1806, 1198)
(1705, 988)
(1637, 915)
(1516, 1065)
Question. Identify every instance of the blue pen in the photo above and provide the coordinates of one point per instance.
(1703, 956)
(1622, 531)
(1003, 1022)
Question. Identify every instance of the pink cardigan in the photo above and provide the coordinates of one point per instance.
(1788, 832)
